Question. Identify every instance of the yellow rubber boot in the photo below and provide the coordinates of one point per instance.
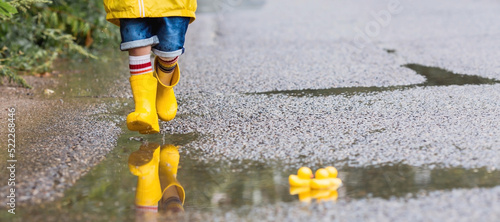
(144, 164)
(166, 104)
(144, 119)
(169, 162)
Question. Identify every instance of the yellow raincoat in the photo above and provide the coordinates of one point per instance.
(118, 9)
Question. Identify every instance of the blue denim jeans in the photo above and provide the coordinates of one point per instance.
(166, 35)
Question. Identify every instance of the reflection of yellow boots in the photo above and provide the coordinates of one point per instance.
(166, 104)
(169, 162)
(144, 164)
(144, 119)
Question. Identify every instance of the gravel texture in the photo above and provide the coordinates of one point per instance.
(58, 138)
(454, 128)
(56, 146)
(293, 45)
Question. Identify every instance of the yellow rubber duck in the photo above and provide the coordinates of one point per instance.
(332, 173)
(302, 179)
(326, 178)
(323, 187)
(322, 180)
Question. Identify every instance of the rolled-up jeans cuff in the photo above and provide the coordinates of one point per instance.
(139, 43)
(168, 54)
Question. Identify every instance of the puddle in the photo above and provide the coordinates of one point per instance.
(107, 192)
(390, 51)
(434, 77)
(441, 77)
(403, 180)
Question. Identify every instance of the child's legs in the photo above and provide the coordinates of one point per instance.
(137, 37)
(146, 50)
(171, 32)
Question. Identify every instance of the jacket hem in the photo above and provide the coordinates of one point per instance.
(114, 17)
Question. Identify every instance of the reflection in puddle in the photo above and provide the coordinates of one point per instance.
(390, 51)
(322, 186)
(434, 77)
(157, 190)
(306, 195)
(401, 180)
(109, 191)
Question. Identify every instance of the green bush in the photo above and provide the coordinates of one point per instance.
(34, 33)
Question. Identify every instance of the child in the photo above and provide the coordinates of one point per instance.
(160, 26)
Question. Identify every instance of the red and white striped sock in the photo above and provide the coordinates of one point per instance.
(140, 65)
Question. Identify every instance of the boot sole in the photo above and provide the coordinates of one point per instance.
(137, 122)
(142, 126)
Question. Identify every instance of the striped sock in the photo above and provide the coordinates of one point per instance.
(140, 65)
(166, 68)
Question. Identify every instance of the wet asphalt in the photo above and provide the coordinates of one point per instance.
(301, 46)
(298, 45)
(235, 57)
(457, 205)
(62, 136)
(57, 145)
